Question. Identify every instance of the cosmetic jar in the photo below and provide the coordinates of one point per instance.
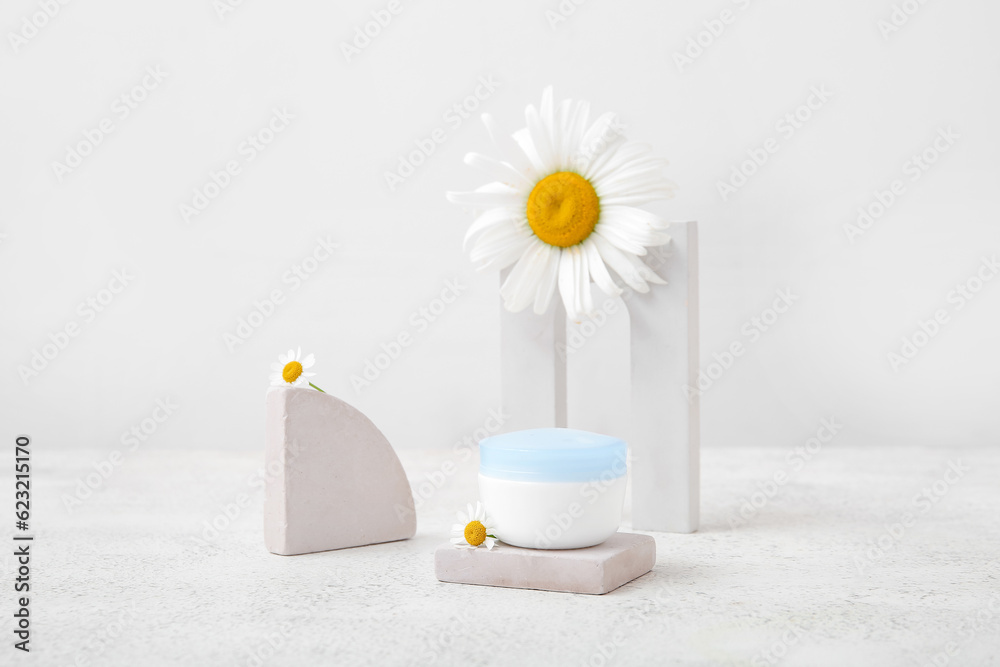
(553, 488)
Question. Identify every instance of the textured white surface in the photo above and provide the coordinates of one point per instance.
(716, 597)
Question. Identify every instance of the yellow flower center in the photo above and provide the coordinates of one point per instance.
(563, 209)
(475, 533)
(291, 371)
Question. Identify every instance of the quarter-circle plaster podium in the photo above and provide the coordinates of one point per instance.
(333, 480)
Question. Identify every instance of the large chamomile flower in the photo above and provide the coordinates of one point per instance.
(562, 209)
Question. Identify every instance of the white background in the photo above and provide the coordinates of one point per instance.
(163, 335)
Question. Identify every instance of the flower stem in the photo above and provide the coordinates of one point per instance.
(315, 387)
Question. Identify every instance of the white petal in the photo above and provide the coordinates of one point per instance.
(612, 160)
(598, 271)
(574, 133)
(601, 132)
(490, 542)
(541, 140)
(620, 264)
(507, 148)
(505, 257)
(638, 170)
(498, 238)
(487, 196)
(635, 186)
(633, 153)
(585, 299)
(599, 144)
(632, 227)
(614, 180)
(636, 157)
(524, 141)
(660, 187)
(642, 182)
(643, 269)
(309, 361)
(547, 284)
(560, 134)
(637, 238)
(637, 215)
(649, 182)
(594, 163)
(521, 285)
(523, 265)
(567, 283)
(493, 216)
(501, 171)
(619, 240)
(546, 109)
(639, 198)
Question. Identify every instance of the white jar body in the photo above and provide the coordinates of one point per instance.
(553, 515)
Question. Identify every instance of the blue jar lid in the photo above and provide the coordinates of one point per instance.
(552, 455)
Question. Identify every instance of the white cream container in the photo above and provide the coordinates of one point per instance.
(553, 488)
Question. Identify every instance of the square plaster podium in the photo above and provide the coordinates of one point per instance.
(663, 431)
(593, 570)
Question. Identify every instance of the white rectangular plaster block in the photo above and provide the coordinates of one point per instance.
(664, 440)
